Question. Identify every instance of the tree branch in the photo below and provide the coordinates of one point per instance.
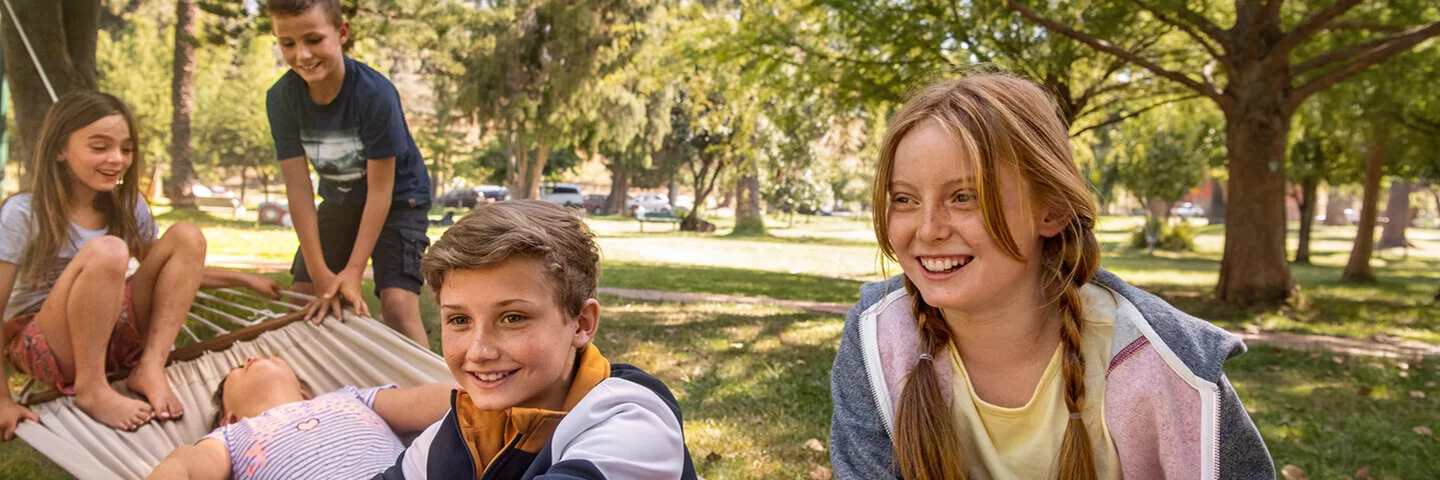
(1314, 24)
(1215, 35)
(1107, 47)
(1338, 55)
(1127, 116)
(1397, 44)
(1369, 27)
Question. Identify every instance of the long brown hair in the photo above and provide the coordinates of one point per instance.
(1000, 121)
(50, 194)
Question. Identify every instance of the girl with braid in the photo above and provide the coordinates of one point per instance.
(1004, 351)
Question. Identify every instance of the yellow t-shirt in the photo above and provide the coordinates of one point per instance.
(1024, 442)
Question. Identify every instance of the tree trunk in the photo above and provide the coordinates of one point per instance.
(673, 191)
(1309, 192)
(1253, 270)
(1397, 208)
(63, 35)
(728, 199)
(1358, 268)
(1435, 193)
(534, 171)
(244, 179)
(182, 96)
(1335, 206)
(1216, 214)
(619, 191)
(748, 219)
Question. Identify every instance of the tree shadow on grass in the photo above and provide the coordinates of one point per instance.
(728, 281)
(758, 383)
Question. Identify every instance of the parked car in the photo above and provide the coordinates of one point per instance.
(595, 203)
(564, 194)
(1187, 210)
(651, 202)
(496, 193)
(459, 198)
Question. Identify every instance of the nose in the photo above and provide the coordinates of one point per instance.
(934, 223)
(483, 347)
(251, 361)
(302, 52)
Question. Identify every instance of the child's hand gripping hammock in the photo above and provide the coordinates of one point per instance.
(359, 351)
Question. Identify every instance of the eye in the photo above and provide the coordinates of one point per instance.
(457, 320)
(964, 196)
(512, 318)
(902, 200)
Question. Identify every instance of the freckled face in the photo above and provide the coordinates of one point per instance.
(937, 227)
(505, 337)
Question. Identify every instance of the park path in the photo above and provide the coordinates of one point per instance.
(1292, 341)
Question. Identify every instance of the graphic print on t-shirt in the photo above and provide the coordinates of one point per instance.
(338, 155)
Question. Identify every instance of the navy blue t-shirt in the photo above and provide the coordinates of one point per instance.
(364, 122)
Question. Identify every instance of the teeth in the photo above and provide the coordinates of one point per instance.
(491, 377)
(937, 265)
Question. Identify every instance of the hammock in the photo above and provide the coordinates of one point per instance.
(359, 351)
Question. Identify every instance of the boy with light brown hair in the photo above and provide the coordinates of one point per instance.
(516, 282)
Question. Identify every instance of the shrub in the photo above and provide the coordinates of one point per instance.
(1179, 237)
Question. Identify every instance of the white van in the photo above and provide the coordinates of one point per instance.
(563, 194)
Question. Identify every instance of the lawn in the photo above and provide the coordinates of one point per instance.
(753, 380)
(753, 383)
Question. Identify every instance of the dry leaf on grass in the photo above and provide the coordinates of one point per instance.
(1424, 431)
(1291, 472)
(820, 473)
(1362, 474)
(1417, 394)
(814, 444)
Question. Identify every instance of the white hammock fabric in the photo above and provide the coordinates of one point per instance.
(360, 351)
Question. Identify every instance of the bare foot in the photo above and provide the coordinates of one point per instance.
(151, 383)
(111, 408)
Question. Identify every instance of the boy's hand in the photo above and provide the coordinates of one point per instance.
(11, 414)
(345, 286)
(263, 285)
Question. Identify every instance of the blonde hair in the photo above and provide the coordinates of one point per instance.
(998, 121)
(50, 194)
(536, 229)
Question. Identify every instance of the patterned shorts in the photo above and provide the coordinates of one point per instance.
(30, 352)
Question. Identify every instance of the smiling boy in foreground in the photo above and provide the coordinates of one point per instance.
(516, 282)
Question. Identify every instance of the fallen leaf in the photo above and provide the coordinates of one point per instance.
(1403, 365)
(1272, 368)
(1417, 394)
(1404, 374)
(800, 361)
(713, 457)
(1339, 360)
(669, 331)
(1424, 431)
(1362, 474)
(1363, 391)
(814, 444)
(1291, 472)
(737, 346)
(1252, 329)
(1430, 384)
(820, 473)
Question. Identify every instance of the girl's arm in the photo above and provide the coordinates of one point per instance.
(217, 278)
(10, 412)
(380, 180)
(413, 409)
(205, 460)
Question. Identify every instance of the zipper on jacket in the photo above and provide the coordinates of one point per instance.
(870, 354)
(1215, 424)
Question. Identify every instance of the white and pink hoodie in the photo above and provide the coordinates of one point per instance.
(1168, 405)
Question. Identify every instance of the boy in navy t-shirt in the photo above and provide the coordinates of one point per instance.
(375, 193)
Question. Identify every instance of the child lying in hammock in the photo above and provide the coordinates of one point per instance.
(269, 426)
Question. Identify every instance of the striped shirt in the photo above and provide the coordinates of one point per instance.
(336, 435)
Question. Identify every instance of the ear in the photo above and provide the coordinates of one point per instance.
(304, 395)
(587, 323)
(229, 419)
(1050, 223)
(344, 31)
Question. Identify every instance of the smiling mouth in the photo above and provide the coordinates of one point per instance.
(944, 264)
(491, 379)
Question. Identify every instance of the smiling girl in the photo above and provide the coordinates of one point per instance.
(1004, 351)
(74, 314)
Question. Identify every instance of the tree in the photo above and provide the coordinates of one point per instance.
(130, 58)
(62, 35)
(232, 130)
(1357, 269)
(1163, 154)
(544, 53)
(182, 97)
(1258, 71)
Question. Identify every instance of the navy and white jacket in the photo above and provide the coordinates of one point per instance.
(619, 423)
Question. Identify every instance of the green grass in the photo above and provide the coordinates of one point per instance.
(1332, 419)
(753, 385)
(730, 281)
